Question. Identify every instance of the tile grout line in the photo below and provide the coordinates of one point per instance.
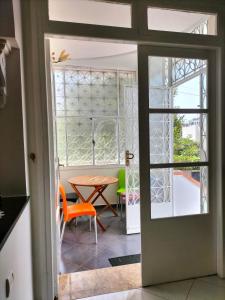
(188, 293)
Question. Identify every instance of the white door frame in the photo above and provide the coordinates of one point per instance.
(36, 25)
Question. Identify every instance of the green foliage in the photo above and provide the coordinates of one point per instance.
(185, 149)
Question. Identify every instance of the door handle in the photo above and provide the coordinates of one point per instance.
(128, 157)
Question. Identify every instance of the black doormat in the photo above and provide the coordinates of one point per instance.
(125, 260)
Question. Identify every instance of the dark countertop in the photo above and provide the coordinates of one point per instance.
(12, 208)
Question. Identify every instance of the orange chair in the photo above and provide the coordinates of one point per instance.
(77, 210)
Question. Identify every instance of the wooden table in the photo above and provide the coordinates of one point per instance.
(99, 183)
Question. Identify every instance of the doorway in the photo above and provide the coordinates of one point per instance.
(96, 120)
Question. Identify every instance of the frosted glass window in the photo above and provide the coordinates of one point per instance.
(105, 139)
(91, 12)
(90, 115)
(181, 21)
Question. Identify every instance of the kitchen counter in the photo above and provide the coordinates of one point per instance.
(11, 208)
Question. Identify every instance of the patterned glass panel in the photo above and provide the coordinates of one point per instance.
(79, 141)
(178, 191)
(58, 77)
(122, 140)
(92, 94)
(60, 106)
(61, 140)
(106, 151)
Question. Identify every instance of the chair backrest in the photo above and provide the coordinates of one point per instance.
(63, 195)
(121, 178)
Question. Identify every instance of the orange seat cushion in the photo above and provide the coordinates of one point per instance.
(81, 209)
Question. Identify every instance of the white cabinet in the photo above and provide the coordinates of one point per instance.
(16, 258)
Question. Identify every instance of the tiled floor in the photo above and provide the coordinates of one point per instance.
(80, 253)
(101, 281)
(207, 288)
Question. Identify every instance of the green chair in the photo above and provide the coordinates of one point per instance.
(121, 188)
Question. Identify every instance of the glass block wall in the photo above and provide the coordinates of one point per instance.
(90, 115)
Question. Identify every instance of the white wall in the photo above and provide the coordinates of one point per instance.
(110, 192)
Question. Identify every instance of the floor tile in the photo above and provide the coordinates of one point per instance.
(80, 253)
(101, 281)
(172, 291)
(214, 280)
(127, 295)
(201, 290)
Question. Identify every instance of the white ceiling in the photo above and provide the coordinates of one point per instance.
(96, 54)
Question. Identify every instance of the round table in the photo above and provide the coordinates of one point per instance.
(99, 183)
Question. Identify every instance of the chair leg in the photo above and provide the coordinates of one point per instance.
(90, 223)
(121, 210)
(63, 229)
(118, 202)
(61, 218)
(96, 233)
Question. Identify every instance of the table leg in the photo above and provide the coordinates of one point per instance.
(108, 205)
(96, 190)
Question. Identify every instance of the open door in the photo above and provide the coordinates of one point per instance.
(176, 92)
(54, 169)
(132, 160)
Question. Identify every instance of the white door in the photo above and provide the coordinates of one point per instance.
(132, 160)
(176, 105)
(54, 166)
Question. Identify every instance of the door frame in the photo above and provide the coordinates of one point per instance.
(36, 25)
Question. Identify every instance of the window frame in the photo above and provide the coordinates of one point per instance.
(144, 52)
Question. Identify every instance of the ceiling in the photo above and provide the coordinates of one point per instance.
(96, 54)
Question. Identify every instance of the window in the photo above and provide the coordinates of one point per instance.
(91, 12)
(181, 21)
(178, 124)
(90, 115)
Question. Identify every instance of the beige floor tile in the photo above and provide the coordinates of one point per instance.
(172, 291)
(64, 284)
(202, 290)
(214, 280)
(101, 281)
(137, 294)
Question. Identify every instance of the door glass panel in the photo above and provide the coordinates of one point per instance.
(179, 191)
(178, 138)
(181, 21)
(91, 12)
(177, 83)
